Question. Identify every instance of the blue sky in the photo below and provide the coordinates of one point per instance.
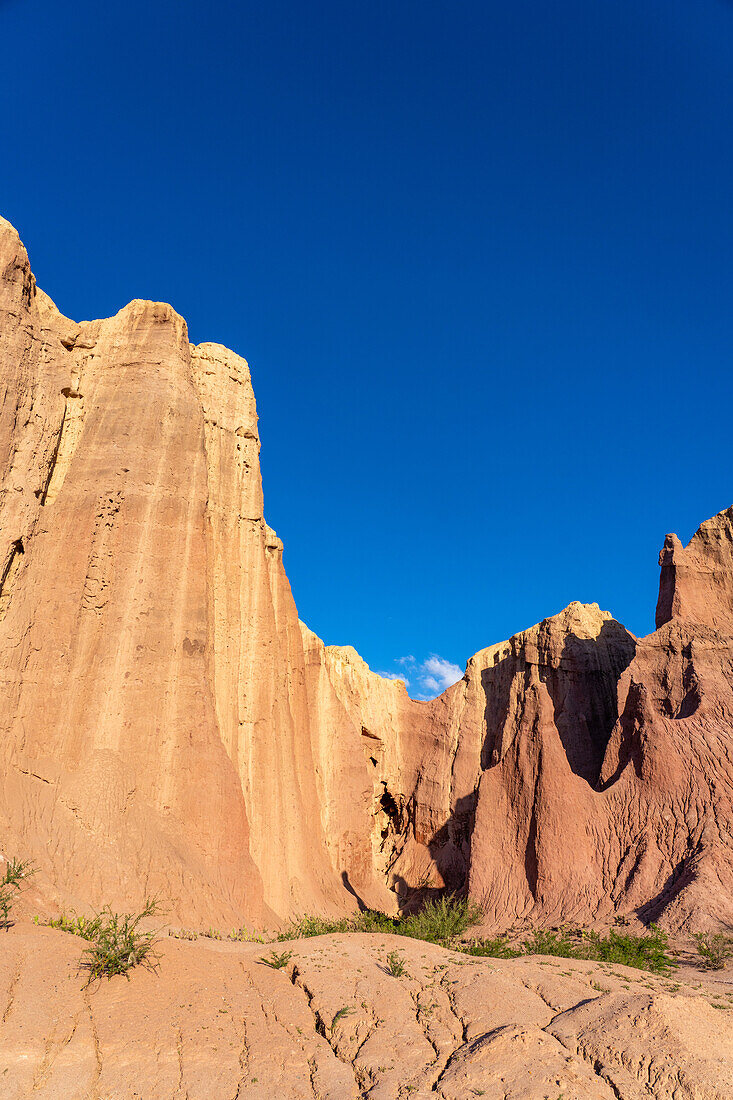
(478, 256)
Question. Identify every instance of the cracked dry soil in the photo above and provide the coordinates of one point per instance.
(215, 1023)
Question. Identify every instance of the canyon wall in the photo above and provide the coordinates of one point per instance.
(156, 729)
(169, 726)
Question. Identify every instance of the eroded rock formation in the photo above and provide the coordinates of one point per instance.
(170, 727)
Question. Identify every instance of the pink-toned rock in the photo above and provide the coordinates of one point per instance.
(170, 727)
(696, 583)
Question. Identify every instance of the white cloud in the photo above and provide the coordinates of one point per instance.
(440, 674)
(431, 676)
(395, 676)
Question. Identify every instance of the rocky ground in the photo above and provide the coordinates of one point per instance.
(215, 1023)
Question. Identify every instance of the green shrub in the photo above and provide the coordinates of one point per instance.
(497, 948)
(16, 872)
(714, 949)
(646, 952)
(395, 964)
(115, 942)
(440, 921)
(277, 961)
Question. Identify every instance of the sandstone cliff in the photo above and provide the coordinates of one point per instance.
(170, 727)
(157, 734)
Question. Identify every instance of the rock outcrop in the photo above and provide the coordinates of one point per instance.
(156, 731)
(169, 726)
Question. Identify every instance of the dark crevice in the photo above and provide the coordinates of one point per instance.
(16, 548)
(43, 493)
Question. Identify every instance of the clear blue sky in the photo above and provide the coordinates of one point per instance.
(479, 257)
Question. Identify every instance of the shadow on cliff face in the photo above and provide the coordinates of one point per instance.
(584, 693)
(582, 684)
(629, 748)
(450, 847)
(581, 681)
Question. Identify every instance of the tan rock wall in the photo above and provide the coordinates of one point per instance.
(170, 727)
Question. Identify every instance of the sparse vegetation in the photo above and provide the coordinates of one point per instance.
(440, 921)
(395, 964)
(556, 943)
(646, 952)
(182, 934)
(245, 935)
(277, 960)
(340, 1015)
(16, 872)
(86, 927)
(302, 927)
(444, 921)
(497, 948)
(714, 949)
(237, 935)
(116, 941)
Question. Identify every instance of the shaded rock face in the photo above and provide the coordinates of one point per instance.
(170, 727)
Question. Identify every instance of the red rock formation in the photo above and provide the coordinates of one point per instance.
(170, 727)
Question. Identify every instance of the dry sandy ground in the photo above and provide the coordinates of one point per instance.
(214, 1023)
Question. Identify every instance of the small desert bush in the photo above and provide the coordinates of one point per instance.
(395, 964)
(277, 961)
(118, 944)
(115, 941)
(714, 949)
(16, 872)
(440, 921)
(647, 952)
